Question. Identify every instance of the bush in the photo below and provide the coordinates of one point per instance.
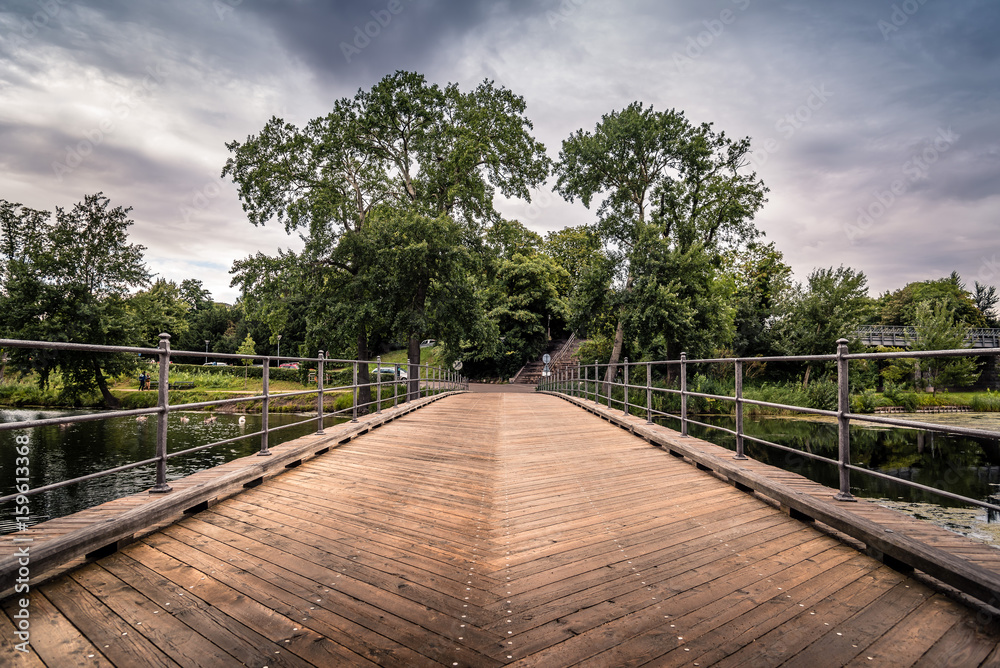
(982, 403)
(822, 395)
(236, 371)
(897, 397)
(27, 394)
(866, 402)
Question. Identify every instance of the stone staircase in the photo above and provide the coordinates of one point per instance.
(563, 353)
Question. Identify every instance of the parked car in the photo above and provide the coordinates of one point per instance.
(215, 364)
(391, 371)
(428, 343)
(288, 365)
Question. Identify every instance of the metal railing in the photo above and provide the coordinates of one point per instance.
(423, 380)
(584, 382)
(903, 337)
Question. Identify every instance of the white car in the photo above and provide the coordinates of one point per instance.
(428, 343)
(390, 371)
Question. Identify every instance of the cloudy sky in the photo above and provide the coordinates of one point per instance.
(874, 123)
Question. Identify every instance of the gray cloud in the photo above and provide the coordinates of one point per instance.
(894, 81)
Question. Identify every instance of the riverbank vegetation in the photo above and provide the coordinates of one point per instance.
(395, 194)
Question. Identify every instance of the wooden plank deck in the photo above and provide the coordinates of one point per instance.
(495, 529)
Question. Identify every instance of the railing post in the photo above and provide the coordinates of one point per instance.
(843, 423)
(576, 385)
(684, 398)
(354, 408)
(427, 378)
(739, 411)
(649, 393)
(319, 387)
(395, 387)
(378, 384)
(597, 387)
(265, 408)
(162, 402)
(625, 387)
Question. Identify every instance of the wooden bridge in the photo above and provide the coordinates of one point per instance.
(504, 529)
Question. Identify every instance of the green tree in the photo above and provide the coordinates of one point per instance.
(831, 306)
(523, 297)
(658, 175)
(575, 249)
(900, 307)
(159, 309)
(986, 299)
(71, 283)
(248, 347)
(759, 276)
(937, 328)
(404, 145)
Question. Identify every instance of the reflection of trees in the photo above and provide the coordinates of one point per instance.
(936, 460)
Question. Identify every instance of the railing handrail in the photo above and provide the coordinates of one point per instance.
(579, 383)
(433, 380)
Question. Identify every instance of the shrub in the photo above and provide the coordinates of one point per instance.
(864, 402)
(823, 395)
(986, 402)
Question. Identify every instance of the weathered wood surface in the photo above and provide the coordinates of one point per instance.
(496, 529)
(899, 540)
(68, 541)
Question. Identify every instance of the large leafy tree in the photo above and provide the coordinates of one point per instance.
(159, 309)
(68, 280)
(759, 277)
(900, 307)
(658, 176)
(575, 249)
(937, 328)
(830, 306)
(405, 145)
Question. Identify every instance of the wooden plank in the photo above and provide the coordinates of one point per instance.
(525, 532)
(234, 637)
(113, 636)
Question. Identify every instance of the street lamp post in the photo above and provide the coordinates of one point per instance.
(206, 351)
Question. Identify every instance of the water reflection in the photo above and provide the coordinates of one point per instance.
(958, 464)
(64, 452)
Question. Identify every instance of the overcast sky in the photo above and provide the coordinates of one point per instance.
(874, 124)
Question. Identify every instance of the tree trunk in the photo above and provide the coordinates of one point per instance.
(413, 349)
(616, 353)
(805, 380)
(110, 401)
(616, 350)
(364, 391)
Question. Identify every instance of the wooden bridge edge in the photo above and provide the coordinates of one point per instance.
(892, 548)
(52, 557)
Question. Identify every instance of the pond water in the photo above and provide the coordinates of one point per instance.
(61, 453)
(959, 464)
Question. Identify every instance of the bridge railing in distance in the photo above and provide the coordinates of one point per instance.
(424, 380)
(584, 381)
(893, 336)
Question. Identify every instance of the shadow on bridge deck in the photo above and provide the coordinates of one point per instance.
(495, 529)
